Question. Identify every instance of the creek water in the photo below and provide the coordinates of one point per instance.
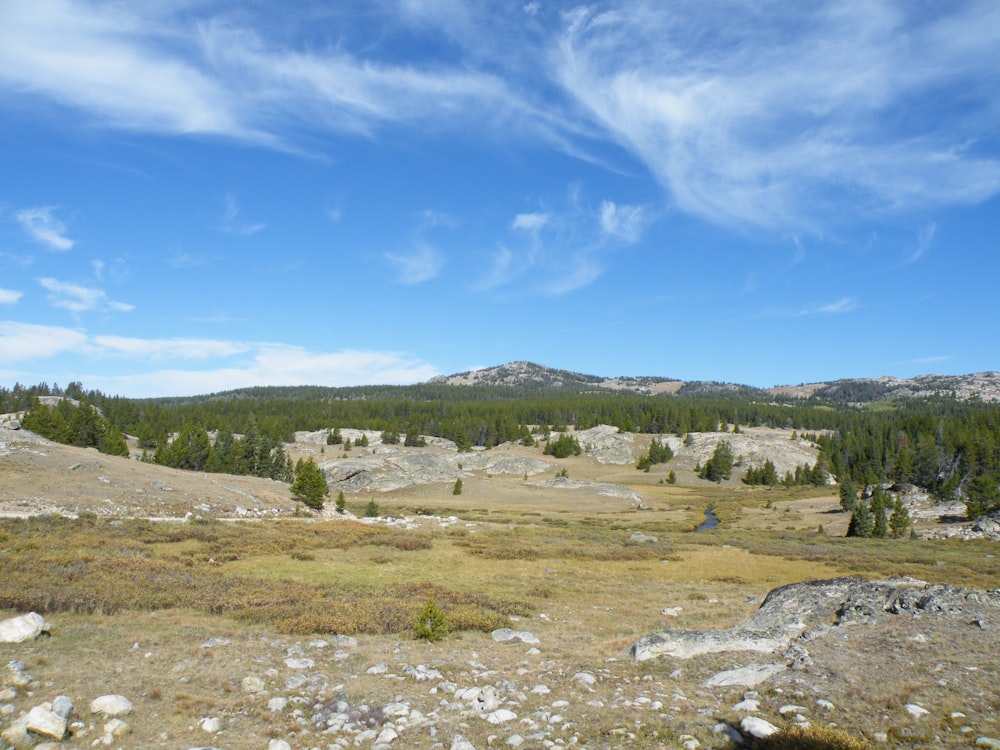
(710, 521)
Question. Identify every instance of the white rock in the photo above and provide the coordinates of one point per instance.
(22, 628)
(299, 663)
(62, 706)
(501, 716)
(748, 676)
(585, 678)
(252, 684)
(116, 728)
(791, 708)
(747, 706)
(111, 705)
(278, 745)
(44, 721)
(386, 736)
(915, 711)
(515, 740)
(504, 635)
(671, 611)
(211, 724)
(460, 743)
(757, 727)
(540, 690)
(824, 704)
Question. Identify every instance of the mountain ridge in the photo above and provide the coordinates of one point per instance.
(984, 386)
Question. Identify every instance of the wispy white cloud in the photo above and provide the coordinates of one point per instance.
(623, 222)
(925, 238)
(9, 296)
(79, 299)
(231, 364)
(233, 224)
(174, 348)
(837, 307)
(42, 225)
(784, 117)
(277, 364)
(530, 222)
(423, 264)
(23, 342)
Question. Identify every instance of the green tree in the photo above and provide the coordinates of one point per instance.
(372, 509)
(432, 623)
(190, 450)
(334, 437)
(309, 487)
(848, 494)
(880, 519)
(562, 447)
(720, 465)
(982, 496)
(362, 442)
(113, 442)
(390, 437)
(457, 489)
(899, 521)
(341, 502)
(671, 477)
(861, 520)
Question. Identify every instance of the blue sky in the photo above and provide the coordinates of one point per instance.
(198, 195)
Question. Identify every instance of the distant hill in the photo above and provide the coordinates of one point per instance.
(983, 386)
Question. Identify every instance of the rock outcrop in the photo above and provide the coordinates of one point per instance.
(811, 609)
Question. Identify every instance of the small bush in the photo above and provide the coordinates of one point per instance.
(371, 510)
(810, 738)
(431, 624)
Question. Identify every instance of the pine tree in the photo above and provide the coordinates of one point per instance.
(310, 485)
(861, 520)
(899, 520)
(880, 527)
(113, 442)
(457, 490)
(341, 502)
(848, 494)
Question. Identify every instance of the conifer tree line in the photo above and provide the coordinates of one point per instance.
(950, 447)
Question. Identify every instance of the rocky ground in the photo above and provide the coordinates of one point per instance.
(897, 663)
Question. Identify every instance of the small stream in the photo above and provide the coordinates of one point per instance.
(710, 521)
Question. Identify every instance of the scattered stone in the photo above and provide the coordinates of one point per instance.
(501, 716)
(211, 724)
(253, 684)
(989, 742)
(219, 640)
(507, 635)
(116, 728)
(299, 663)
(44, 721)
(671, 611)
(585, 678)
(23, 628)
(16, 674)
(916, 711)
(111, 705)
(747, 706)
(278, 703)
(460, 743)
(62, 706)
(278, 745)
(757, 727)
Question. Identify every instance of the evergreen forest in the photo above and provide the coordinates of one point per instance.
(950, 447)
